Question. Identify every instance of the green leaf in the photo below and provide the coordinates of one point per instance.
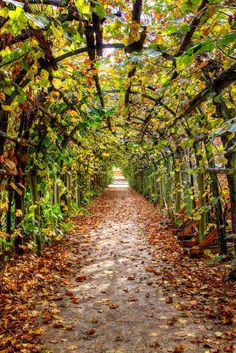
(100, 11)
(214, 1)
(184, 61)
(39, 21)
(228, 38)
(185, 27)
(209, 46)
(21, 98)
(130, 145)
(206, 45)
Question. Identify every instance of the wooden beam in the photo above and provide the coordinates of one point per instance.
(225, 171)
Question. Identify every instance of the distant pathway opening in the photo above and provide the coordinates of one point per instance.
(118, 180)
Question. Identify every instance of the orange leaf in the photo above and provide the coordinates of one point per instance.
(81, 278)
(179, 349)
(150, 269)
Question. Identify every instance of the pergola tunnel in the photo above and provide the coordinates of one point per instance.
(117, 176)
(144, 86)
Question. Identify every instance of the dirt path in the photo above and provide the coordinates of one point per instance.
(125, 298)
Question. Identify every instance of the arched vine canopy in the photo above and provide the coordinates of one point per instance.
(90, 84)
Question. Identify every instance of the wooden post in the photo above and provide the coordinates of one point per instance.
(202, 191)
(220, 222)
(178, 195)
(229, 143)
(35, 198)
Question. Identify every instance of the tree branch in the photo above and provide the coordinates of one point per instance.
(3, 21)
(156, 100)
(130, 75)
(19, 140)
(137, 10)
(58, 3)
(193, 26)
(85, 49)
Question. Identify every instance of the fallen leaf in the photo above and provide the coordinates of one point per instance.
(94, 320)
(153, 334)
(132, 299)
(69, 328)
(90, 332)
(179, 349)
(75, 300)
(113, 306)
(81, 278)
(229, 348)
(58, 324)
(155, 344)
(172, 321)
(169, 300)
(150, 269)
(131, 278)
(180, 334)
(39, 331)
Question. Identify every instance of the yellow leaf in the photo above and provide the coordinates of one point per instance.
(10, 166)
(44, 74)
(105, 154)
(4, 234)
(73, 120)
(159, 39)
(127, 83)
(4, 12)
(4, 206)
(134, 37)
(57, 83)
(82, 7)
(134, 25)
(16, 188)
(72, 112)
(18, 213)
(39, 331)
(2, 96)
(7, 108)
(56, 32)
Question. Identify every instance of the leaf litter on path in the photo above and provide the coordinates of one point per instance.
(119, 274)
